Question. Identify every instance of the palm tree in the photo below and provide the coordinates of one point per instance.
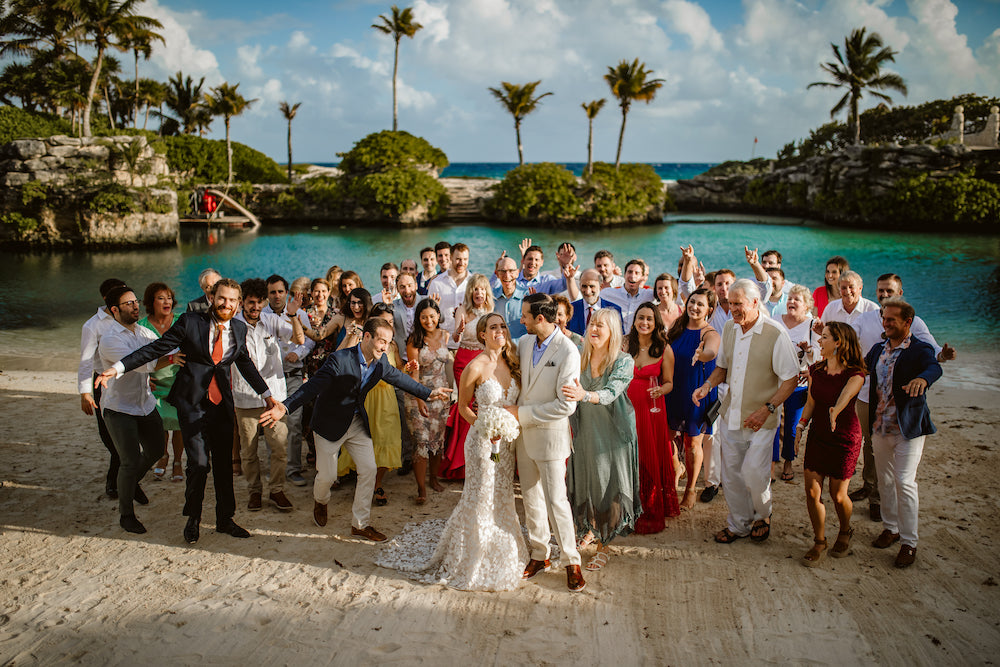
(105, 23)
(857, 69)
(628, 82)
(152, 93)
(35, 27)
(226, 101)
(401, 24)
(591, 109)
(184, 99)
(289, 111)
(140, 39)
(519, 100)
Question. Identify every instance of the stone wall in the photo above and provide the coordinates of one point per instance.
(806, 188)
(93, 192)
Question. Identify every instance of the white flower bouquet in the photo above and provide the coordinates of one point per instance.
(499, 426)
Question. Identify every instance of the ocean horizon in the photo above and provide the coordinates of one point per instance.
(668, 171)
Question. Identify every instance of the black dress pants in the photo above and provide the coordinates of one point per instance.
(208, 443)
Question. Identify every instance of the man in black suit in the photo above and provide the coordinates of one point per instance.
(339, 418)
(202, 394)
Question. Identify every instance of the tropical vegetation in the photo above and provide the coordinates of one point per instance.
(859, 70)
(289, 111)
(519, 100)
(401, 24)
(630, 82)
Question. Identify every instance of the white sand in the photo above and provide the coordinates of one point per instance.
(76, 588)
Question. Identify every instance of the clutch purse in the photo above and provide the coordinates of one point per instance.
(713, 411)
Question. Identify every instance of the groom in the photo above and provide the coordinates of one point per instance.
(548, 361)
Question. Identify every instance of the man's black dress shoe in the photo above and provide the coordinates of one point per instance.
(191, 532)
(708, 493)
(230, 528)
(140, 496)
(112, 492)
(131, 524)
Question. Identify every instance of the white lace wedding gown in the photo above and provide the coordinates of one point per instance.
(481, 546)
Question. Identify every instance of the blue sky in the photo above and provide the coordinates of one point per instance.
(733, 70)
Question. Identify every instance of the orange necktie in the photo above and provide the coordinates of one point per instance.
(214, 393)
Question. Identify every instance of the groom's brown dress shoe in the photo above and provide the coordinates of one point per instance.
(574, 578)
(536, 566)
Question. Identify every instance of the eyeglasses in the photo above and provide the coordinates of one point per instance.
(133, 302)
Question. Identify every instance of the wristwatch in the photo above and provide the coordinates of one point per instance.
(770, 407)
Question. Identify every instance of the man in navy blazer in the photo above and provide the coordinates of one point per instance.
(206, 425)
(901, 368)
(590, 288)
(339, 418)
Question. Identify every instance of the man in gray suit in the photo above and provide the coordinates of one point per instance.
(403, 308)
(549, 360)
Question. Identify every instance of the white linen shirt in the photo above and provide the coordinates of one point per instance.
(452, 295)
(288, 346)
(128, 393)
(264, 346)
(784, 362)
(90, 358)
(835, 311)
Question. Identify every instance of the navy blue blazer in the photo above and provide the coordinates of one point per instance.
(190, 334)
(577, 323)
(338, 392)
(916, 361)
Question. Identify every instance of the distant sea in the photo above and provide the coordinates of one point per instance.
(669, 171)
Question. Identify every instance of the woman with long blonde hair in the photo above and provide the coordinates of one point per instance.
(603, 473)
(478, 302)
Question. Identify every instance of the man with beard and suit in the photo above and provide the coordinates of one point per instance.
(211, 342)
(549, 361)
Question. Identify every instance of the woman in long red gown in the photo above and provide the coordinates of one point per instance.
(653, 379)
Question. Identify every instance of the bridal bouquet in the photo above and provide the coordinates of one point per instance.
(499, 426)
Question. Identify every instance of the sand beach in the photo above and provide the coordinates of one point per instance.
(75, 588)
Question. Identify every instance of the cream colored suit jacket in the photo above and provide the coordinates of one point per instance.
(543, 410)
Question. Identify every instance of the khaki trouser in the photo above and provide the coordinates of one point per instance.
(247, 422)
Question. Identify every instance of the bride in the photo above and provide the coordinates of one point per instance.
(481, 546)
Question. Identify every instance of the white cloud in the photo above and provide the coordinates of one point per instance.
(180, 53)
(434, 20)
(300, 42)
(342, 51)
(693, 21)
(248, 57)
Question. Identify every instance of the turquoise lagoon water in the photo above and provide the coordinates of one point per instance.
(670, 171)
(953, 281)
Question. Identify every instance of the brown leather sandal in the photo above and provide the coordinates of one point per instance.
(816, 554)
(842, 546)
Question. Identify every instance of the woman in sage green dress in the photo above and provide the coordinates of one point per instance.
(603, 472)
(159, 302)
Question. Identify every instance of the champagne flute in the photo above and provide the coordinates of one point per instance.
(653, 384)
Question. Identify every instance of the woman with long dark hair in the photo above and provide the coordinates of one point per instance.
(830, 289)
(695, 344)
(834, 439)
(652, 379)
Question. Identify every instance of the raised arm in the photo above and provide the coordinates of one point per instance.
(333, 326)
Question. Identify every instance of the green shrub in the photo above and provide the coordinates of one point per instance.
(386, 149)
(113, 198)
(327, 191)
(23, 223)
(288, 203)
(631, 193)
(34, 191)
(753, 167)
(393, 192)
(206, 160)
(543, 191)
(20, 124)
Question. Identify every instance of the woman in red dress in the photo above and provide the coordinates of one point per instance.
(834, 439)
(652, 380)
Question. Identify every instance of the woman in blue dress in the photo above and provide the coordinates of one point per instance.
(695, 344)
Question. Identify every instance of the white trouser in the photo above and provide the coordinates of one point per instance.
(896, 461)
(746, 475)
(358, 444)
(543, 489)
(712, 457)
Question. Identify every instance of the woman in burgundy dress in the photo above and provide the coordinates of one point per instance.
(834, 439)
(652, 379)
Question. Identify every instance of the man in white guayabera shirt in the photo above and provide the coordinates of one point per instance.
(759, 362)
(128, 405)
